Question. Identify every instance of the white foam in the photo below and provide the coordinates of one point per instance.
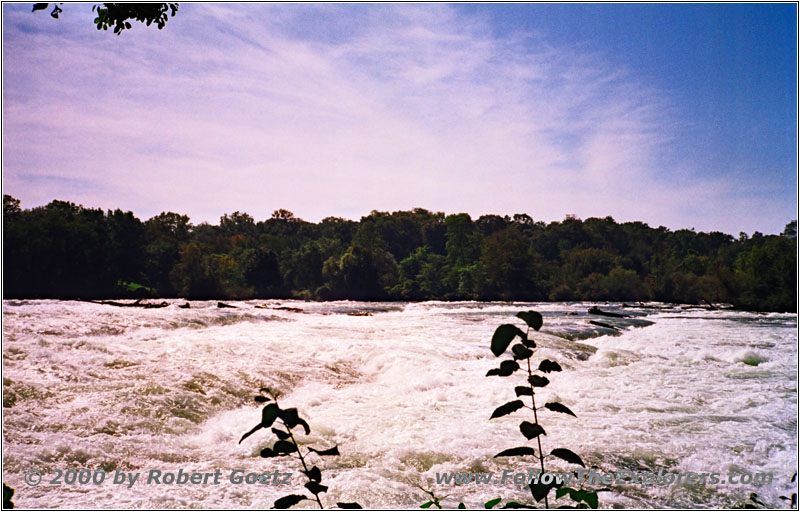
(402, 392)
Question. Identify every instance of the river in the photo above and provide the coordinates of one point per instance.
(400, 388)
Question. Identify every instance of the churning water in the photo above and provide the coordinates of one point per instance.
(402, 392)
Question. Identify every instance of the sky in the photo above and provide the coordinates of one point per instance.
(677, 115)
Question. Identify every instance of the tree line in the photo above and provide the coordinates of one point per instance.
(63, 250)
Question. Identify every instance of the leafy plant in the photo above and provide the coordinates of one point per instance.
(8, 494)
(117, 14)
(523, 351)
(755, 501)
(435, 501)
(792, 498)
(286, 445)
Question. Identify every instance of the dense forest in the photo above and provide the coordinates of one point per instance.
(67, 251)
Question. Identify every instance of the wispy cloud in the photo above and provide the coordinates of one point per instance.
(335, 110)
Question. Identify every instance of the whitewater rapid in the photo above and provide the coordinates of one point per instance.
(399, 387)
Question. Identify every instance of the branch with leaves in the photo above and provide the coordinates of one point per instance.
(117, 15)
(286, 445)
(523, 350)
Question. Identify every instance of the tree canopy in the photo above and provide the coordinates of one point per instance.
(117, 15)
(67, 250)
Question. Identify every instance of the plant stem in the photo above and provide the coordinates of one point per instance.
(302, 461)
(299, 454)
(536, 419)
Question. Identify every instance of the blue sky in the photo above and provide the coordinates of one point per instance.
(682, 115)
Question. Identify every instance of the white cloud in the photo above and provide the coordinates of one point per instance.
(229, 108)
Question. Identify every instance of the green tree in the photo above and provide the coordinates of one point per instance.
(361, 273)
(624, 284)
(790, 231)
(163, 236)
(261, 270)
(67, 250)
(11, 206)
(422, 276)
(125, 247)
(117, 15)
(193, 277)
(507, 263)
(461, 245)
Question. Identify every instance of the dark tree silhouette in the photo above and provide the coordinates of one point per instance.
(67, 250)
(117, 14)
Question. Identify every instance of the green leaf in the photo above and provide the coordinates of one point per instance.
(269, 452)
(292, 419)
(537, 381)
(506, 369)
(284, 447)
(516, 452)
(591, 499)
(280, 433)
(8, 494)
(557, 407)
(351, 505)
(328, 452)
(251, 432)
(268, 414)
(532, 318)
(492, 503)
(548, 366)
(562, 491)
(531, 430)
(426, 504)
(567, 455)
(288, 501)
(515, 504)
(539, 491)
(509, 367)
(578, 495)
(507, 409)
(461, 506)
(314, 474)
(523, 391)
(503, 336)
(520, 352)
(316, 487)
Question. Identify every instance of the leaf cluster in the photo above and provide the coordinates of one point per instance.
(8, 495)
(522, 351)
(117, 15)
(286, 445)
